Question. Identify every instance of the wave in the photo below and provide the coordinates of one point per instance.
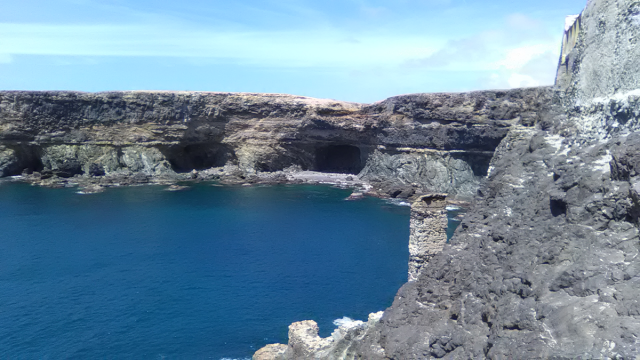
(398, 202)
(347, 322)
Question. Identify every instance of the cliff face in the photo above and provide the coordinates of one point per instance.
(600, 76)
(546, 263)
(441, 142)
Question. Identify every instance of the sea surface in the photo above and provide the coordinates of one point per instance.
(205, 273)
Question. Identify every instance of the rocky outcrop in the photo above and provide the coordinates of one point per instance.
(269, 352)
(428, 228)
(432, 142)
(600, 75)
(542, 266)
(451, 172)
(304, 342)
(545, 263)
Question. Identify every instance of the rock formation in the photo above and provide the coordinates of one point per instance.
(428, 231)
(545, 263)
(432, 142)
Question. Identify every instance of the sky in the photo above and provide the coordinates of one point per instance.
(351, 50)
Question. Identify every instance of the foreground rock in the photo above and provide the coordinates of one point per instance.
(304, 342)
(545, 264)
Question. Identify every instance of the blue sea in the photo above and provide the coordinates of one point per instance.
(206, 273)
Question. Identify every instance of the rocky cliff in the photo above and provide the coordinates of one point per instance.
(545, 264)
(433, 142)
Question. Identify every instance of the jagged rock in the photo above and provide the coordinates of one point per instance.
(545, 263)
(270, 352)
(96, 170)
(305, 344)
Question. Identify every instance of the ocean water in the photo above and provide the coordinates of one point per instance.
(205, 273)
(454, 216)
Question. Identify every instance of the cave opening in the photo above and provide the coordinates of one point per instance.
(479, 162)
(339, 159)
(197, 156)
(26, 159)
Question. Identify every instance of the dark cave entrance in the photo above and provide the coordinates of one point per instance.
(27, 160)
(197, 156)
(479, 162)
(339, 159)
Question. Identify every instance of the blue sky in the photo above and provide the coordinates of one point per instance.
(353, 50)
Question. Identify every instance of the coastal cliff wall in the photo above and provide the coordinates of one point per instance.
(546, 263)
(438, 142)
(599, 76)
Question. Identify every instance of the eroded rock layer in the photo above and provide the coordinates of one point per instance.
(439, 142)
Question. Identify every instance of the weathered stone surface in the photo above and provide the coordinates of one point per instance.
(270, 352)
(528, 275)
(458, 174)
(600, 75)
(344, 342)
(428, 226)
(160, 133)
(545, 264)
(304, 342)
(9, 162)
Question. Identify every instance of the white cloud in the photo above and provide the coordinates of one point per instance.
(518, 57)
(317, 47)
(520, 53)
(380, 52)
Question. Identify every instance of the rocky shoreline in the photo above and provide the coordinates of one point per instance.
(545, 263)
(139, 136)
(223, 176)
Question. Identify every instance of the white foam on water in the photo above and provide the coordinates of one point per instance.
(398, 202)
(347, 322)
